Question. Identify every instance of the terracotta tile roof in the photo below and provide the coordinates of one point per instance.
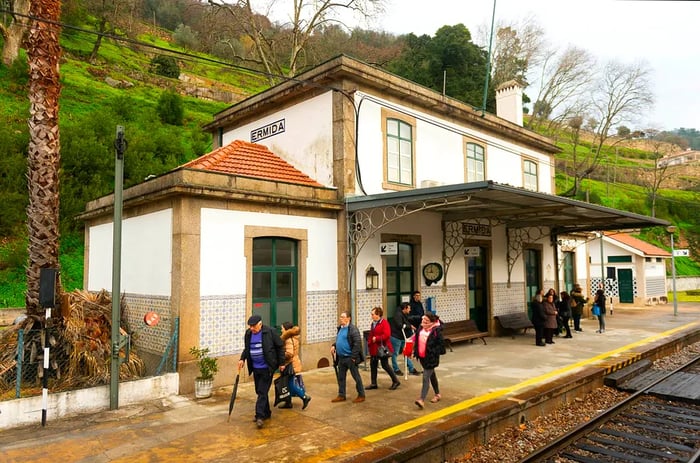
(646, 248)
(250, 160)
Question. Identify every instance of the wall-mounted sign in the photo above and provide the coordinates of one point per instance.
(681, 253)
(267, 131)
(389, 249)
(476, 229)
(472, 251)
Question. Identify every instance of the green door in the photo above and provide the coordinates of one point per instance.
(568, 268)
(533, 275)
(399, 279)
(625, 285)
(275, 277)
(478, 289)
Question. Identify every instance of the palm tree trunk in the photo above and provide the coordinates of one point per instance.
(43, 51)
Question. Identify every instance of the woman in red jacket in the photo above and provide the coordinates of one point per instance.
(379, 340)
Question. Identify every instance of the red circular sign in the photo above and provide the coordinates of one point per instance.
(151, 318)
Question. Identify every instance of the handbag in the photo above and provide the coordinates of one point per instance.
(596, 310)
(383, 351)
(282, 390)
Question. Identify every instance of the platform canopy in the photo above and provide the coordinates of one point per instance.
(514, 207)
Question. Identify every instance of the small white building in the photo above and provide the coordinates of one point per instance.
(321, 181)
(633, 270)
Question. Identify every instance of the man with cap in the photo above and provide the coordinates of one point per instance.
(263, 350)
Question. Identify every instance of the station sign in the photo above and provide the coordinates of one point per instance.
(472, 251)
(389, 249)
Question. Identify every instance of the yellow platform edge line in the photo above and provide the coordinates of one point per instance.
(464, 405)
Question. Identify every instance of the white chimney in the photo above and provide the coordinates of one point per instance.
(509, 102)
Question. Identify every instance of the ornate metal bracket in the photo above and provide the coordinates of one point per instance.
(454, 239)
(515, 238)
(363, 224)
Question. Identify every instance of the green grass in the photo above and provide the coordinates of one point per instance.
(683, 296)
(13, 258)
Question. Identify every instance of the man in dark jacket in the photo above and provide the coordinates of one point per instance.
(347, 354)
(417, 309)
(401, 329)
(263, 350)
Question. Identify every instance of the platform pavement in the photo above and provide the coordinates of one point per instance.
(182, 429)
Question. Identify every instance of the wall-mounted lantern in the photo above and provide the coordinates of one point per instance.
(372, 278)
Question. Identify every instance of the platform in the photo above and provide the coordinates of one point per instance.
(181, 429)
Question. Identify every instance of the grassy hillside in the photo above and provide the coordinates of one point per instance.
(91, 108)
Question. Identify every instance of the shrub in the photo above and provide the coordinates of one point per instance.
(170, 108)
(165, 66)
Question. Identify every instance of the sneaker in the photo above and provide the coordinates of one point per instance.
(358, 399)
(306, 401)
(398, 372)
(340, 398)
(259, 423)
(415, 373)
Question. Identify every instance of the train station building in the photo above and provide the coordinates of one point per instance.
(346, 188)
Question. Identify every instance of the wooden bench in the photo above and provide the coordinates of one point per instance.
(514, 322)
(462, 330)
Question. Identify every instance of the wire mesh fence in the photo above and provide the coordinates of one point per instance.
(74, 362)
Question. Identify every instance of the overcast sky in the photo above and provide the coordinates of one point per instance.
(662, 33)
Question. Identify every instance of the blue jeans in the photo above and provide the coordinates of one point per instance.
(398, 345)
(296, 387)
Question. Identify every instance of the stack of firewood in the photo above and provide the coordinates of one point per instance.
(79, 344)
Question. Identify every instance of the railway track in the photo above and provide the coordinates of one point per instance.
(655, 424)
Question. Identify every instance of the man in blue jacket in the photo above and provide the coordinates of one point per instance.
(264, 352)
(347, 354)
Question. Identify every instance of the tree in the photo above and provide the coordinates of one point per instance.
(659, 173)
(448, 61)
(14, 31)
(280, 51)
(622, 93)
(110, 17)
(562, 85)
(43, 155)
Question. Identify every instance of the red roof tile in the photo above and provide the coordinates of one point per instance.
(646, 248)
(250, 160)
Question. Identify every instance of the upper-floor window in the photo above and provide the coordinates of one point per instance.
(530, 175)
(475, 162)
(399, 152)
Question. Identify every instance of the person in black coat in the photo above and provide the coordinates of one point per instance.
(417, 309)
(538, 318)
(564, 309)
(428, 348)
(263, 351)
(600, 300)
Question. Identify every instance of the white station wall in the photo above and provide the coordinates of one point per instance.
(307, 141)
(439, 152)
(146, 260)
(223, 263)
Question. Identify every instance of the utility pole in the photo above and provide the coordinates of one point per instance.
(672, 230)
(120, 147)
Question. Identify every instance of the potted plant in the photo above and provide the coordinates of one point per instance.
(208, 367)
